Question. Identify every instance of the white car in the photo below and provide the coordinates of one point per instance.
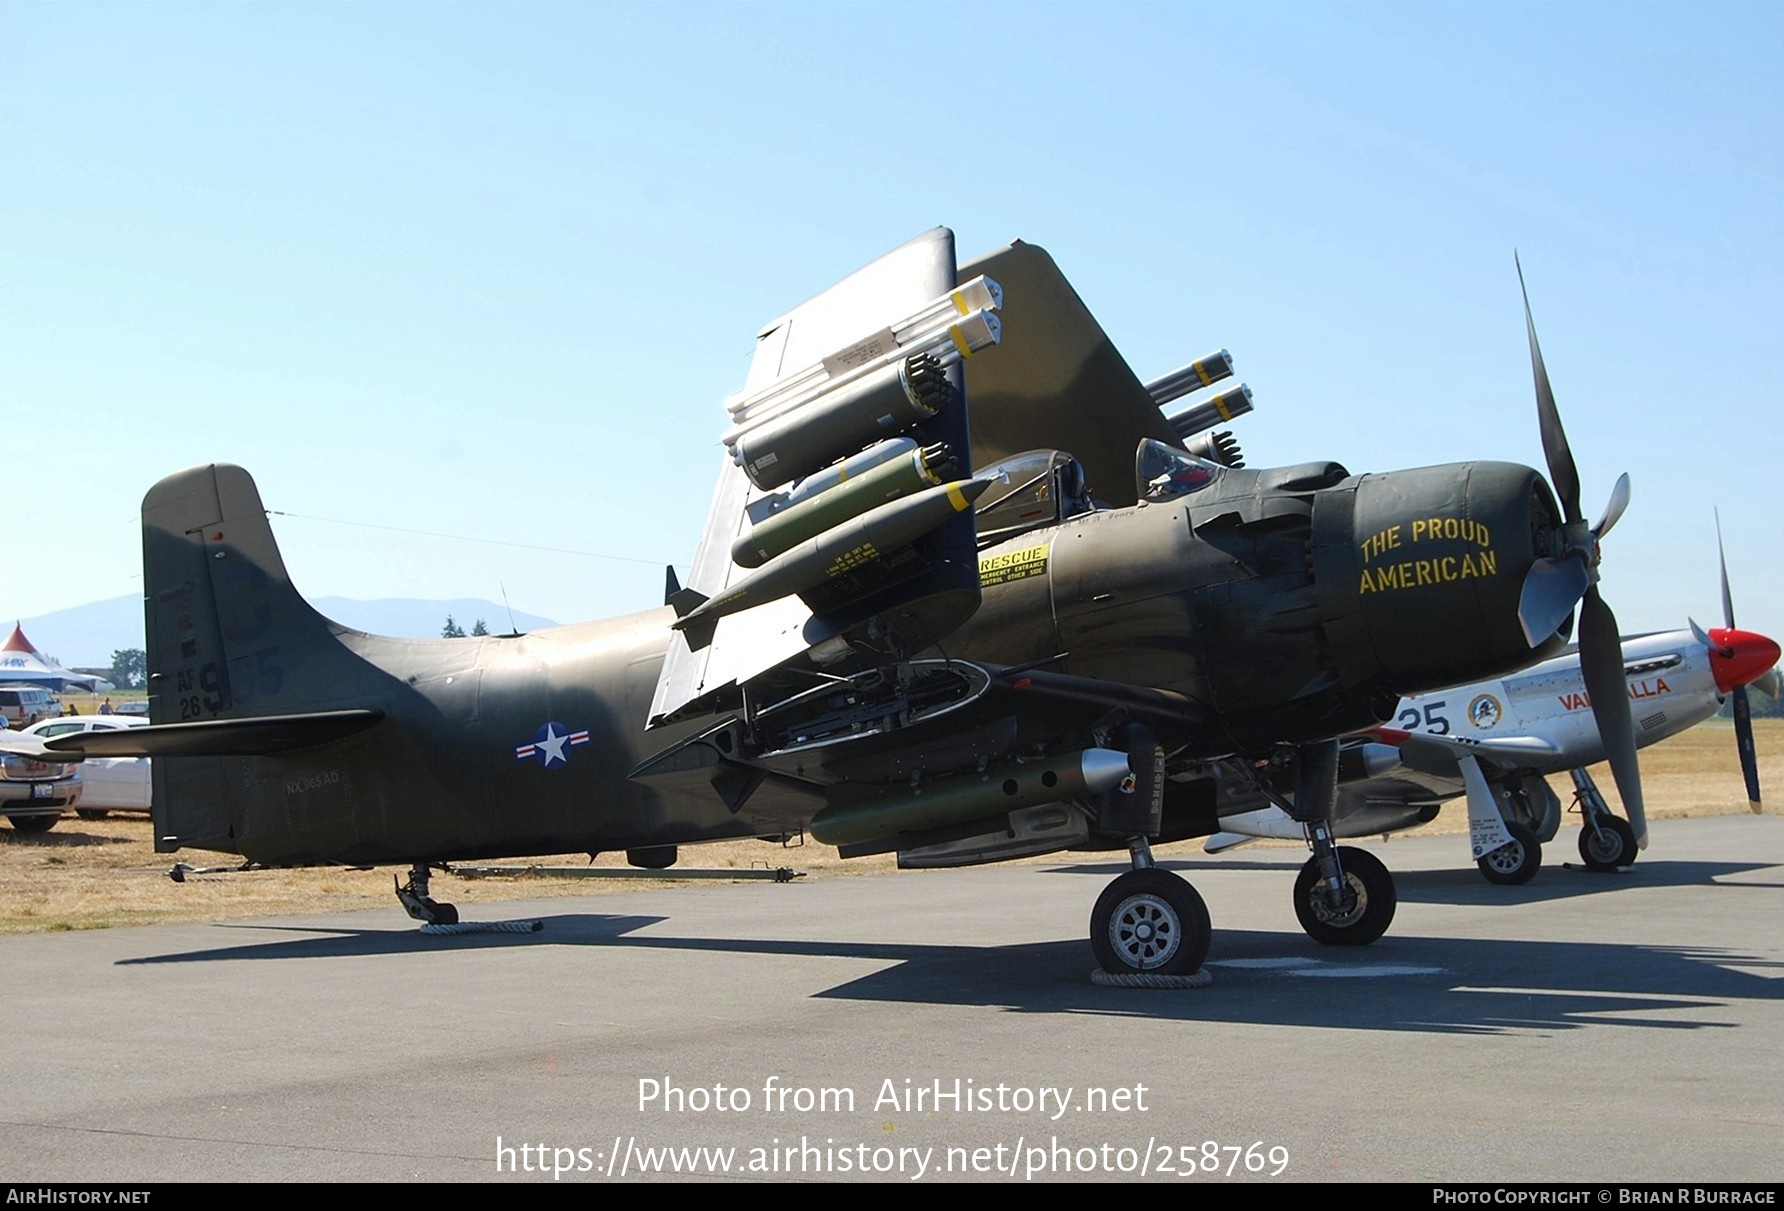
(111, 783)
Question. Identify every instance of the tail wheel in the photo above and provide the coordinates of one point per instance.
(1516, 862)
(1371, 900)
(1150, 920)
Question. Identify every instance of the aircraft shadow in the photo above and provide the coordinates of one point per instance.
(1420, 984)
(334, 942)
(1465, 885)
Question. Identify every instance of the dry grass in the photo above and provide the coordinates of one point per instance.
(95, 874)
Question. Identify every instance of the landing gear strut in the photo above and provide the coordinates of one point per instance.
(1149, 920)
(416, 901)
(1606, 841)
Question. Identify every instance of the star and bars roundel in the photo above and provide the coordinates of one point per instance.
(551, 745)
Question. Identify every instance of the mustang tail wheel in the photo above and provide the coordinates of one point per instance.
(1516, 862)
(1608, 846)
(1370, 907)
(1150, 920)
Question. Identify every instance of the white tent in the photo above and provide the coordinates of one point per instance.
(23, 664)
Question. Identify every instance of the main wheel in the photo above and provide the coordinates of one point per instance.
(1609, 846)
(1150, 920)
(1515, 862)
(33, 824)
(1370, 913)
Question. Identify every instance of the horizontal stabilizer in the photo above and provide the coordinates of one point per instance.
(253, 736)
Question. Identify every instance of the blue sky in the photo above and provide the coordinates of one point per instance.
(489, 270)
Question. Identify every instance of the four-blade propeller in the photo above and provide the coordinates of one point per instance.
(1555, 584)
(1732, 659)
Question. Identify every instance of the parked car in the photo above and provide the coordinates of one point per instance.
(26, 704)
(33, 794)
(111, 783)
(134, 706)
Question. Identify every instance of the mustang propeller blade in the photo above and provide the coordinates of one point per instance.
(1556, 584)
(1743, 710)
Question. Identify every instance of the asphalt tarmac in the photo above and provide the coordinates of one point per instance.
(933, 1026)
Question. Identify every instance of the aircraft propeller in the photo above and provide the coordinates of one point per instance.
(1555, 584)
(1739, 659)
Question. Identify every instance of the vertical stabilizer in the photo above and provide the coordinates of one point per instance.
(228, 637)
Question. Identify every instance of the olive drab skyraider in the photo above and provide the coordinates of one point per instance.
(966, 592)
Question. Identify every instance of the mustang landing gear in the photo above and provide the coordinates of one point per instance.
(417, 903)
(1607, 842)
(1149, 920)
(1517, 861)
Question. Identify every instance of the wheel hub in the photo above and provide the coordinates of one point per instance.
(1357, 902)
(1507, 858)
(1145, 932)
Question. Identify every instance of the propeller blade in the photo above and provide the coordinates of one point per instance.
(1551, 590)
(1702, 636)
(1743, 710)
(1743, 741)
(1722, 558)
(1614, 508)
(1562, 471)
(1601, 661)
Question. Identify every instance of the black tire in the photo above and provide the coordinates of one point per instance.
(1609, 846)
(92, 813)
(444, 914)
(1516, 863)
(1150, 920)
(1373, 912)
(33, 824)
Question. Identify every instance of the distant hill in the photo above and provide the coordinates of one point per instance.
(87, 635)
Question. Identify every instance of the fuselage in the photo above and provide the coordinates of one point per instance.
(1275, 604)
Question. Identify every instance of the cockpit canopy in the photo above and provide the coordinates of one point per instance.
(1030, 490)
(1163, 472)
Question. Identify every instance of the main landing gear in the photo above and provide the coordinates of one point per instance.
(1149, 920)
(1607, 842)
(1344, 896)
(1517, 861)
(418, 904)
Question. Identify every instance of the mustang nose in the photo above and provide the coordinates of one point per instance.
(1740, 657)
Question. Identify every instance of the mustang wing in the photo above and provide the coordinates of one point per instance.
(1442, 755)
